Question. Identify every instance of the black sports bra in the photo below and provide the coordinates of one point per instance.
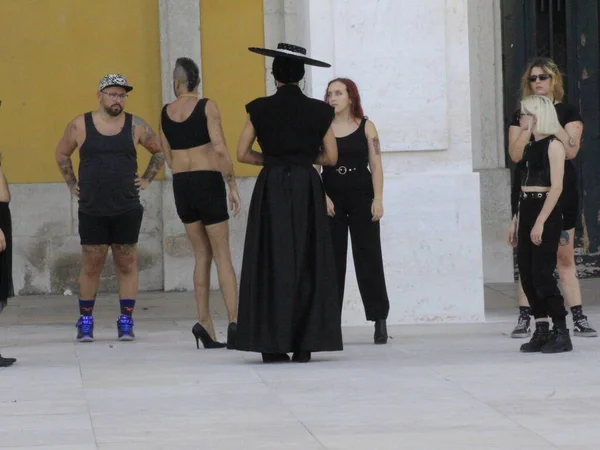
(192, 132)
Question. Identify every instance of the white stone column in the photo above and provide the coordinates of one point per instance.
(179, 36)
(411, 63)
(487, 122)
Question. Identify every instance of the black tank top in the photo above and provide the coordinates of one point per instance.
(107, 171)
(192, 132)
(537, 163)
(353, 149)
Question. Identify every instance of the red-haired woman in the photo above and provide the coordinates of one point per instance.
(354, 190)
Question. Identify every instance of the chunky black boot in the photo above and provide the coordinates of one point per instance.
(275, 357)
(381, 335)
(559, 341)
(301, 357)
(7, 362)
(539, 339)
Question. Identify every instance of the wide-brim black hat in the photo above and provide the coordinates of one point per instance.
(289, 51)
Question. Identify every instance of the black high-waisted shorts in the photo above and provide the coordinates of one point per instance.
(200, 196)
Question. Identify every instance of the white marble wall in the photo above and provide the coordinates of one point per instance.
(411, 61)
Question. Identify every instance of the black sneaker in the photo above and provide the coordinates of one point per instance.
(558, 342)
(523, 328)
(539, 339)
(582, 328)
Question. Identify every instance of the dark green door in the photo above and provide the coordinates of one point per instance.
(567, 32)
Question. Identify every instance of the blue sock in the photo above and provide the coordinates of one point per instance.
(86, 307)
(127, 306)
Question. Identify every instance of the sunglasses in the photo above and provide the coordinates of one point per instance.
(541, 76)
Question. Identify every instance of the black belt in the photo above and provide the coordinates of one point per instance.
(533, 194)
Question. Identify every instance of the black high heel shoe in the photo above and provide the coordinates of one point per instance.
(201, 334)
(231, 334)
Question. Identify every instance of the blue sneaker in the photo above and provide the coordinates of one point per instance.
(85, 329)
(125, 327)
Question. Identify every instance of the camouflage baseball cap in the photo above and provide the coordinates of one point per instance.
(114, 79)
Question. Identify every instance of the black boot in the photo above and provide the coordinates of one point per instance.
(275, 357)
(6, 362)
(301, 356)
(381, 335)
(231, 333)
(539, 338)
(559, 340)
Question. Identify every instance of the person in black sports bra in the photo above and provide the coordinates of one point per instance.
(354, 190)
(542, 77)
(540, 224)
(197, 154)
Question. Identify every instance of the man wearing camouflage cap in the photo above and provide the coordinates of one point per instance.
(110, 212)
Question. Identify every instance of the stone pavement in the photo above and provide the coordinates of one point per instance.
(433, 387)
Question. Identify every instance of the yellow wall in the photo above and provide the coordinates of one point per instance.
(52, 55)
(232, 76)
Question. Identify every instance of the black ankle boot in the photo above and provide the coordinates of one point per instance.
(275, 357)
(539, 339)
(301, 357)
(381, 335)
(559, 341)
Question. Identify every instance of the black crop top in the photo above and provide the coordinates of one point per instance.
(192, 132)
(536, 170)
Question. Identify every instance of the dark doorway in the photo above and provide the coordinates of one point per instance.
(567, 32)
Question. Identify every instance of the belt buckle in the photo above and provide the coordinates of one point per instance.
(342, 170)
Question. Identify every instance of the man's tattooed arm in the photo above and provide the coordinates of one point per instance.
(217, 137)
(150, 141)
(65, 148)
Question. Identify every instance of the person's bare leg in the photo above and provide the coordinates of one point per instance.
(93, 258)
(566, 269)
(125, 259)
(203, 255)
(523, 327)
(521, 297)
(218, 234)
(567, 272)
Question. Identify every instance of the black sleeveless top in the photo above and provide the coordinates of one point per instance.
(107, 171)
(290, 126)
(536, 168)
(192, 132)
(353, 149)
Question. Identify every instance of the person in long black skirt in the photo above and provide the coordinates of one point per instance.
(288, 289)
(6, 281)
(354, 190)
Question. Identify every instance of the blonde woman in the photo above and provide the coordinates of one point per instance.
(542, 77)
(540, 225)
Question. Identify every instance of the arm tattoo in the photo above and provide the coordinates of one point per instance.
(376, 145)
(66, 169)
(228, 177)
(154, 166)
(151, 142)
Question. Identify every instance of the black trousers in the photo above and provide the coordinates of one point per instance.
(537, 262)
(352, 196)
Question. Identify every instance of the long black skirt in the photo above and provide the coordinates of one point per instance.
(6, 281)
(288, 291)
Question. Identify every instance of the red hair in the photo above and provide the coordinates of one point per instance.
(355, 107)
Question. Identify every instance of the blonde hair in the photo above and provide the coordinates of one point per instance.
(543, 108)
(556, 81)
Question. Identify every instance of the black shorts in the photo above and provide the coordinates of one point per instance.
(569, 204)
(122, 229)
(200, 196)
